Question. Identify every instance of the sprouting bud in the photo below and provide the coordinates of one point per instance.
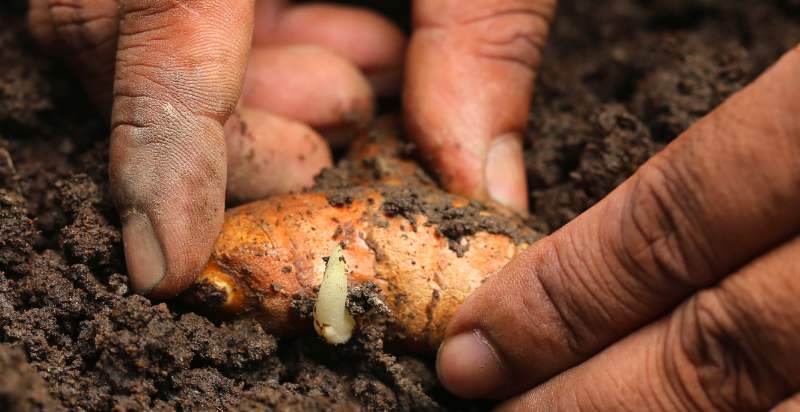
(332, 321)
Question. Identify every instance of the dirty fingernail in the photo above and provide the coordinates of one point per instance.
(506, 182)
(143, 254)
(468, 366)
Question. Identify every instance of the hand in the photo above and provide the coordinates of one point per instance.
(170, 73)
(678, 291)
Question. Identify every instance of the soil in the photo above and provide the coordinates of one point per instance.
(409, 192)
(620, 79)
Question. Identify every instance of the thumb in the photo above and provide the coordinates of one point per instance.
(178, 75)
(469, 81)
(690, 216)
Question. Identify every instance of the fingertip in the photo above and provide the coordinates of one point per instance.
(187, 244)
(171, 201)
(367, 39)
(270, 155)
(311, 85)
(468, 365)
(144, 255)
(506, 180)
(488, 169)
(164, 255)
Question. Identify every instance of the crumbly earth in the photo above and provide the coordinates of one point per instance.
(620, 80)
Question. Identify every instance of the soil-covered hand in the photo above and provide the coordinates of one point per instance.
(678, 291)
(169, 74)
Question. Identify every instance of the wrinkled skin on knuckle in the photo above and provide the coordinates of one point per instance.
(713, 365)
(144, 91)
(179, 52)
(658, 244)
(575, 302)
(85, 25)
(160, 9)
(84, 34)
(169, 105)
(505, 31)
(74, 26)
(515, 38)
(531, 311)
(487, 52)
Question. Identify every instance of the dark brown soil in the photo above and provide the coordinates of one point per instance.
(620, 79)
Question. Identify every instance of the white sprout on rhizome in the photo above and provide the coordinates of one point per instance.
(332, 321)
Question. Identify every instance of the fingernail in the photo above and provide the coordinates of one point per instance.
(468, 365)
(143, 253)
(506, 182)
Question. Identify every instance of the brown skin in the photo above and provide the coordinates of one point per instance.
(340, 105)
(170, 73)
(270, 252)
(370, 41)
(676, 292)
(468, 110)
(155, 117)
(257, 153)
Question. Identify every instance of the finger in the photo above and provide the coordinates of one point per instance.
(369, 40)
(40, 24)
(790, 405)
(469, 80)
(178, 76)
(729, 348)
(84, 32)
(690, 215)
(311, 85)
(270, 155)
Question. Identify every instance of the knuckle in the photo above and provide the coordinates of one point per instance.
(712, 364)
(138, 9)
(657, 244)
(576, 307)
(515, 35)
(82, 25)
(148, 94)
(144, 110)
(510, 31)
(163, 55)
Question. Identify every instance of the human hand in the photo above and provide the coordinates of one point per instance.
(678, 291)
(169, 74)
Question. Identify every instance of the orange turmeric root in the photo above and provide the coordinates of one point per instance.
(427, 250)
